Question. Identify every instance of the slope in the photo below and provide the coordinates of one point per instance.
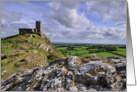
(26, 51)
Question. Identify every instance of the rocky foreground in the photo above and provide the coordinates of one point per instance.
(71, 74)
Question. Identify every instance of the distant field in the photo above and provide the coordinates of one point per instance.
(105, 54)
(86, 50)
(121, 51)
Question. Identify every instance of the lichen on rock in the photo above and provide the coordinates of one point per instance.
(66, 74)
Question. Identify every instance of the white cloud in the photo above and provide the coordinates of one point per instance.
(114, 11)
(10, 23)
(64, 21)
(69, 23)
(67, 14)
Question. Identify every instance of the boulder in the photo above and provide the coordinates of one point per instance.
(66, 74)
(72, 62)
(60, 89)
(73, 89)
(114, 60)
(87, 68)
(44, 47)
(93, 55)
(81, 87)
(120, 66)
(93, 66)
(92, 89)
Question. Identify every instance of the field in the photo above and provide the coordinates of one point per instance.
(81, 50)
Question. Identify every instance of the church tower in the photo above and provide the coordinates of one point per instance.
(39, 26)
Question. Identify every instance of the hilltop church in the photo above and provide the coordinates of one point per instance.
(38, 29)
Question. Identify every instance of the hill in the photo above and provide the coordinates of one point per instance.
(29, 62)
(26, 51)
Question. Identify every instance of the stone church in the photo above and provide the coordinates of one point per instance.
(38, 29)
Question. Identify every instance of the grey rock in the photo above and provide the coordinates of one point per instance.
(72, 62)
(87, 68)
(45, 47)
(81, 87)
(59, 89)
(93, 55)
(96, 65)
(120, 66)
(4, 71)
(66, 74)
(73, 89)
(34, 51)
(114, 60)
(92, 89)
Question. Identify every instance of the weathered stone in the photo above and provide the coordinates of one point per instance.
(59, 89)
(34, 51)
(4, 71)
(81, 87)
(44, 47)
(72, 62)
(120, 66)
(73, 89)
(64, 75)
(87, 68)
(92, 89)
(93, 55)
(114, 60)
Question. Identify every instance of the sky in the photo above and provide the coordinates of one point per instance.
(100, 22)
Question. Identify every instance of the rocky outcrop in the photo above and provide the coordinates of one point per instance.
(69, 74)
(44, 47)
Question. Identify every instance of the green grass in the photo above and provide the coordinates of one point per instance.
(123, 52)
(7, 50)
(62, 48)
(105, 54)
(87, 50)
(17, 53)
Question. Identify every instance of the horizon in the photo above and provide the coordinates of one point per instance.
(98, 22)
(85, 43)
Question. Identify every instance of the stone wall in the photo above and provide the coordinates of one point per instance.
(27, 30)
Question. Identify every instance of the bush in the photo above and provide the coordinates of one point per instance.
(111, 48)
(70, 48)
(124, 47)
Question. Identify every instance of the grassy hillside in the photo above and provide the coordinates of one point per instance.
(32, 50)
(26, 51)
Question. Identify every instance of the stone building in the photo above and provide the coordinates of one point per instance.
(38, 29)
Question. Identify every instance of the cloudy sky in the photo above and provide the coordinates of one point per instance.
(102, 22)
